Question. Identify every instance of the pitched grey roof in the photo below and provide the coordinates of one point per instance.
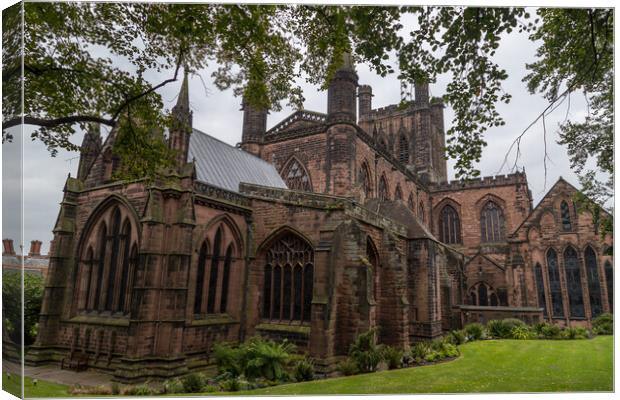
(225, 166)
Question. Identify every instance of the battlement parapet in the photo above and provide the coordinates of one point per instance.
(487, 181)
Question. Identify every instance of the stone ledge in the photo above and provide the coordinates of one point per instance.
(304, 330)
(99, 320)
(214, 320)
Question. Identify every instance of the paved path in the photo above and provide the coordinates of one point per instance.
(53, 373)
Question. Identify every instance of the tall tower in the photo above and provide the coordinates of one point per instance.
(364, 92)
(341, 93)
(181, 128)
(91, 146)
(254, 127)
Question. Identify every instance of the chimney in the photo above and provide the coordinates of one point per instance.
(8, 247)
(35, 248)
(364, 93)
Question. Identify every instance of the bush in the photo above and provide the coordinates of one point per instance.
(267, 359)
(172, 386)
(365, 352)
(115, 388)
(603, 324)
(419, 351)
(457, 337)
(348, 367)
(393, 357)
(12, 306)
(574, 333)
(498, 329)
(139, 390)
(449, 350)
(229, 359)
(512, 322)
(521, 332)
(432, 356)
(550, 331)
(231, 384)
(193, 383)
(304, 370)
(475, 331)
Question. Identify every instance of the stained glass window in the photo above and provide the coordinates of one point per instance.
(540, 288)
(554, 283)
(449, 225)
(296, 176)
(565, 212)
(573, 282)
(492, 223)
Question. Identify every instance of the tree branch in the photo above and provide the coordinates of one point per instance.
(51, 123)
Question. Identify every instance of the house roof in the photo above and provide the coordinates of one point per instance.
(225, 166)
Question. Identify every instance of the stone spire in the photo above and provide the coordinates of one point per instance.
(341, 94)
(181, 128)
(91, 146)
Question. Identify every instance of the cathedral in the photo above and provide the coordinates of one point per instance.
(315, 230)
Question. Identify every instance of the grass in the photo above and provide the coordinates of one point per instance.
(42, 389)
(485, 366)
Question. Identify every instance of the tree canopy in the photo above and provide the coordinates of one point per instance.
(93, 62)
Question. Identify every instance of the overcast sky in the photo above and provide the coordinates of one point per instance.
(218, 114)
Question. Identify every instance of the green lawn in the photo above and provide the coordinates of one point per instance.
(42, 389)
(486, 366)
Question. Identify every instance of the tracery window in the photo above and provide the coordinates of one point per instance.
(398, 193)
(110, 257)
(609, 278)
(365, 180)
(449, 225)
(540, 288)
(594, 284)
(491, 223)
(383, 189)
(288, 280)
(554, 284)
(565, 213)
(403, 150)
(213, 272)
(482, 294)
(573, 283)
(296, 176)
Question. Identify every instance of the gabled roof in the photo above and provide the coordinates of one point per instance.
(485, 257)
(225, 166)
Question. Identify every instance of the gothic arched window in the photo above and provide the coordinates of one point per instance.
(449, 225)
(594, 284)
(214, 270)
(540, 288)
(411, 203)
(565, 213)
(573, 283)
(102, 279)
(482, 295)
(288, 280)
(491, 223)
(609, 279)
(398, 193)
(554, 283)
(296, 176)
(403, 150)
(365, 180)
(383, 189)
(373, 259)
(421, 213)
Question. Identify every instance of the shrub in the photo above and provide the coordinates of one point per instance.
(115, 388)
(172, 386)
(521, 332)
(393, 357)
(419, 351)
(138, 390)
(229, 359)
(573, 333)
(603, 324)
(304, 370)
(498, 329)
(449, 350)
(231, 384)
(348, 367)
(475, 331)
(193, 383)
(431, 356)
(512, 322)
(365, 352)
(457, 337)
(267, 359)
(550, 331)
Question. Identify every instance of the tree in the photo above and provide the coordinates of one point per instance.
(12, 304)
(90, 62)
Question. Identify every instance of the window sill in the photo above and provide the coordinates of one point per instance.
(276, 327)
(100, 320)
(215, 319)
